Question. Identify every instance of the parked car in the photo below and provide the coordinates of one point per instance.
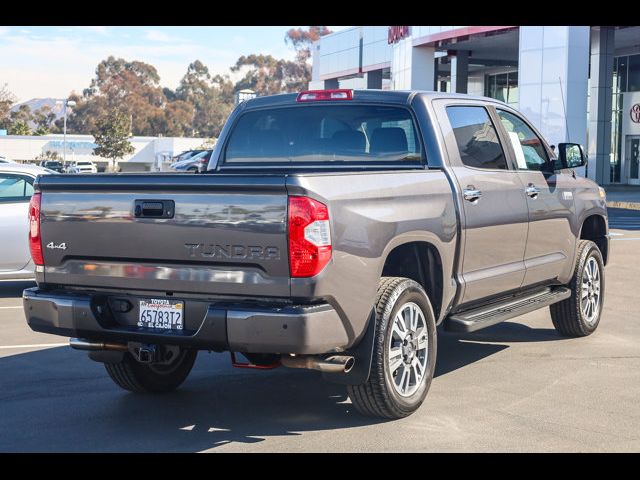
(54, 165)
(4, 160)
(16, 187)
(186, 155)
(196, 163)
(333, 230)
(82, 166)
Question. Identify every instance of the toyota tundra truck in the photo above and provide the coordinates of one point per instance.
(334, 230)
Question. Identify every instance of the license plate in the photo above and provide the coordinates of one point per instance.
(161, 313)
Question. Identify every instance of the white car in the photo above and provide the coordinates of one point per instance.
(82, 166)
(16, 188)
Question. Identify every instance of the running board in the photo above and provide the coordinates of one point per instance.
(487, 315)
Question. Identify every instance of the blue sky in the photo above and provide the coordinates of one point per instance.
(52, 61)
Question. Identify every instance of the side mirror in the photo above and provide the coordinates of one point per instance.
(570, 155)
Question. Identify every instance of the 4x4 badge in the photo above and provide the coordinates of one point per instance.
(53, 246)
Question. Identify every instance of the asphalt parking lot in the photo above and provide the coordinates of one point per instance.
(516, 386)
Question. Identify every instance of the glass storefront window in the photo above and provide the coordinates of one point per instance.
(503, 87)
(633, 84)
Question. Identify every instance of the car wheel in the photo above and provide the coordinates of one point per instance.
(579, 315)
(137, 377)
(404, 354)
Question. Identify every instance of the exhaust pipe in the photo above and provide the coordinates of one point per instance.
(80, 344)
(331, 364)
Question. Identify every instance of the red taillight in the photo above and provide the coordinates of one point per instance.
(35, 243)
(309, 237)
(319, 95)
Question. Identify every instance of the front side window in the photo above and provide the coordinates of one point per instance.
(476, 137)
(530, 152)
(324, 133)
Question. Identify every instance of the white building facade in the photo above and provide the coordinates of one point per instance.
(575, 83)
(151, 153)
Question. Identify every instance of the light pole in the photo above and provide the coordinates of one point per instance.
(67, 103)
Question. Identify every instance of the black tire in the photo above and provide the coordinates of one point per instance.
(378, 397)
(141, 378)
(568, 316)
(192, 169)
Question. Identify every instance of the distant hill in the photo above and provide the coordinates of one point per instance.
(38, 103)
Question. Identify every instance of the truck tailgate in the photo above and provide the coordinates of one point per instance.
(224, 230)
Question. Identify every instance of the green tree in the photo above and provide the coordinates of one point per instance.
(44, 119)
(267, 75)
(19, 127)
(112, 135)
(303, 39)
(212, 99)
(132, 87)
(6, 100)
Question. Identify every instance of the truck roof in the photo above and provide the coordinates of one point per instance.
(370, 95)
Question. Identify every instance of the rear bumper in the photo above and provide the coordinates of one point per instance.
(311, 329)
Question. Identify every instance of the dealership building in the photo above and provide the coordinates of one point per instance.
(574, 83)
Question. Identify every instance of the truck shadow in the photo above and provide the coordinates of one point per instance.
(14, 288)
(457, 350)
(59, 400)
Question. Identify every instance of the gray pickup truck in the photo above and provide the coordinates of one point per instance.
(332, 230)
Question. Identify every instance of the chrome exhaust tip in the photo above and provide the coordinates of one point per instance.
(80, 344)
(330, 364)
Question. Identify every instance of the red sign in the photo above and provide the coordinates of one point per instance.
(397, 33)
(635, 113)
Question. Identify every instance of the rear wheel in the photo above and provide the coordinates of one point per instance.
(404, 354)
(579, 315)
(138, 377)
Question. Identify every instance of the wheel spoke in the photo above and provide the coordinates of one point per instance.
(395, 359)
(419, 369)
(403, 376)
(406, 312)
(396, 330)
(412, 318)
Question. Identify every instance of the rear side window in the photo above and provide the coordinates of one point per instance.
(476, 137)
(324, 133)
(14, 189)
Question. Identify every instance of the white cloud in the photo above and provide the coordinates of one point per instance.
(158, 36)
(99, 30)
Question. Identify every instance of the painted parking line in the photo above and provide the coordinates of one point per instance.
(35, 345)
(7, 308)
(616, 239)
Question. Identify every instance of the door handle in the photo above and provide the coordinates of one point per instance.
(471, 194)
(154, 208)
(532, 191)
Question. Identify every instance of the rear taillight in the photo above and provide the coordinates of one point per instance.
(319, 95)
(35, 242)
(309, 237)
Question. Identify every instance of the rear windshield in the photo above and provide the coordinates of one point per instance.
(324, 133)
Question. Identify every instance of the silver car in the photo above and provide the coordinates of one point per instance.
(196, 163)
(16, 188)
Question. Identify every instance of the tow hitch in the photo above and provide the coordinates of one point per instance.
(145, 353)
